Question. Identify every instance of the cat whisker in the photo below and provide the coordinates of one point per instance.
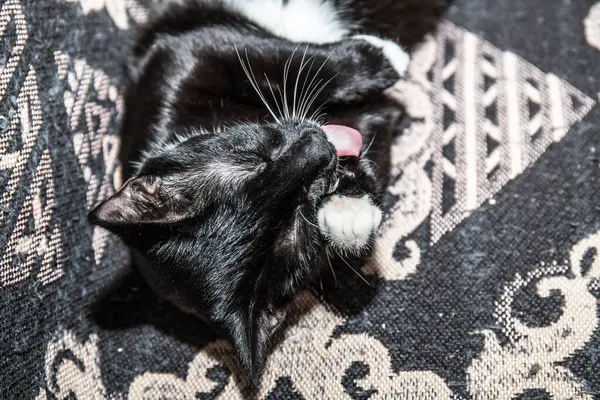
(342, 168)
(350, 266)
(317, 93)
(331, 266)
(369, 147)
(282, 101)
(304, 109)
(302, 65)
(307, 76)
(321, 120)
(296, 232)
(250, 74)
(303, 105)
(307, 221)
(274, 97)
(286, 73)
(317, 115)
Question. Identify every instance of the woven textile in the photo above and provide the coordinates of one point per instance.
(485, 279)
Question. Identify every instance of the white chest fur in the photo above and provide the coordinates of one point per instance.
(305, 21)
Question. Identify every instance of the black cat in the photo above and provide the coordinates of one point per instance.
(256, 143)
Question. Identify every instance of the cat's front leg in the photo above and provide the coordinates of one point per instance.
(365, 66)
(395, 55)
(349, 223)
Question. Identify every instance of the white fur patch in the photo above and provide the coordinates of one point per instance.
(306, 21)
(228, 174)
(349, 222)
(392, 51)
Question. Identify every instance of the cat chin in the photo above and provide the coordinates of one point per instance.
(349, 223)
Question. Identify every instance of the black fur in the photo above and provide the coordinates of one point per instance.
(223, 222)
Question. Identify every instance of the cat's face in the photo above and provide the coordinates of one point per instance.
(228, 223)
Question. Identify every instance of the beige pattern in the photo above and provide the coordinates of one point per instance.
(532, 358)
(73, 368)
(30, 111)
(94, 106)
(121, 11)
(38, 248)
(12, 11)
(43, 244)
(159, 386)
(315, 363)
(410, 153)
(592, 26)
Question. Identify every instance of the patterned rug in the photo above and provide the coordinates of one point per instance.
(485, 281)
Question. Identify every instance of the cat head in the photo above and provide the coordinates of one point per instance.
(226, 223)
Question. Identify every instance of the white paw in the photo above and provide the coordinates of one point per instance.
(393, 52)
(349, 222)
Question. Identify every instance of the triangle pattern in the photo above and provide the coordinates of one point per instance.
(480, 117)
(496, 98)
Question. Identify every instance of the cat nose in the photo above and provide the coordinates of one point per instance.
(307, 159)
(310, 153)
(313, 151)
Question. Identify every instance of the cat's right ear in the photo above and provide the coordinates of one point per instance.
(141, 200)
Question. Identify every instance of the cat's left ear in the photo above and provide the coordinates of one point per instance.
(251, 332)
(141, 200)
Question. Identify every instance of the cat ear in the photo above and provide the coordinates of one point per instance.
(251, 332)
(142, 200)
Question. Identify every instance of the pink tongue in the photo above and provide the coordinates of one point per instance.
(347, 141)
